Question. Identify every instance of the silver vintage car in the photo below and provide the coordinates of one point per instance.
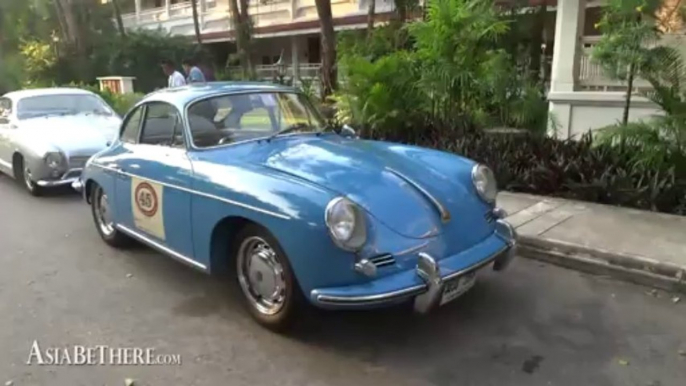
(47, 135)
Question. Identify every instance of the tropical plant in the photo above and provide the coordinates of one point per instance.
(460, 62)
(628, 28)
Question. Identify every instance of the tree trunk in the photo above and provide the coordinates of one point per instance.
(536, 46)
(117, 17)
(196, 22)
(629, 91)
(241, 22)
(371, 13)
(328, 37)
(59, 11)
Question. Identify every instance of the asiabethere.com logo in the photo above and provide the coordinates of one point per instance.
(81, 355)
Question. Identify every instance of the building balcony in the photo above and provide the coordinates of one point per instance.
(270, 17)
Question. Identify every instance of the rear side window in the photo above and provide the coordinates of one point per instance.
(162, 126)
(132, 126)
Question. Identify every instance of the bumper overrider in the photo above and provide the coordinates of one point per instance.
(426, 282)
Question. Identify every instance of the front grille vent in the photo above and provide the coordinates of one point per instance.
(382, 260)
(78, 161)
(490, 217)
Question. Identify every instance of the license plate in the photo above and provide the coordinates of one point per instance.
(454, 288)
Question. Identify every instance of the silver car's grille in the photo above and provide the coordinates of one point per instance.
(382, 260)
(78, 162)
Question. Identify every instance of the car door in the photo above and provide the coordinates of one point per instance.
(6, 128)
(153, 188)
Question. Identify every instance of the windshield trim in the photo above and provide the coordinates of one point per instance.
(187, 122)
(100, 100)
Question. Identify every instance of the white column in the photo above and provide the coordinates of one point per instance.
(295, 59)
(167, 8)
(138, 11)
(569, 27)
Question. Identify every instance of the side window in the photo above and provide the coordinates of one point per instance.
(162, 126)
(132, 126)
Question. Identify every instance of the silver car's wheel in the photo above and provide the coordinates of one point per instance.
(103, 214)
(28, 180)
(261, 276)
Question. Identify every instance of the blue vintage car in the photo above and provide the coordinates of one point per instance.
(247, 179)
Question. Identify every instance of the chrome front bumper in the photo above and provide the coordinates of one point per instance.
(77, 185)
(55, 183)
(68, 178)
(428, 294)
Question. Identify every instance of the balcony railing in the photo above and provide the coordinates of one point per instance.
(274, 71)
(592, 76)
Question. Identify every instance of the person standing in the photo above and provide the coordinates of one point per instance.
(194, 73)
(176, 79)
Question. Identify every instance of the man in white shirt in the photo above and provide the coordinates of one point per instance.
(176, 79)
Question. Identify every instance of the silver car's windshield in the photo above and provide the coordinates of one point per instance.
(238, 117)
(63, 104)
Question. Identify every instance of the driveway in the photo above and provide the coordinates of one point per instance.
(533, 325)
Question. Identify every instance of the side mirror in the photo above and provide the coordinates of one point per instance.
(348, 132)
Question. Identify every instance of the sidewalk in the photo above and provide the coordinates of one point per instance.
(644, 247)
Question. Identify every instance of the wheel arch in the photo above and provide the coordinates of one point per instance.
(16, 158)
(222, 241)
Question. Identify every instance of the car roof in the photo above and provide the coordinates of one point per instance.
(181, 96)
(46, 91)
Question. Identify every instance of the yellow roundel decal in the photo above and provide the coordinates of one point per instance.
(147, 204)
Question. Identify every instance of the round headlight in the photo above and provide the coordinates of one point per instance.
(54, 160)
(346, 223)
(484, 183)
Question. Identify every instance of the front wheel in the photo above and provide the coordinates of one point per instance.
(104, 221)
(266, 279)
(24, 177)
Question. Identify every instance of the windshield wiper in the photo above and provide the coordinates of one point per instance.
(288, 129)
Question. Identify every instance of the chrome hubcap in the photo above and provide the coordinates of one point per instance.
(28, 179)
(103, 214)
(261, 275)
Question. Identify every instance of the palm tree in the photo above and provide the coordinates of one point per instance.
(328, 47)
(196, 23)
(117, 17)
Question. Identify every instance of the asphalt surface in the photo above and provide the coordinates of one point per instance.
(532, 325)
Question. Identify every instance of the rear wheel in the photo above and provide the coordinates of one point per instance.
(266, 279)
(24, 177)
(104, 219)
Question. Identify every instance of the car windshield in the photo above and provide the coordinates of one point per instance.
(61, 104)
(238, 117)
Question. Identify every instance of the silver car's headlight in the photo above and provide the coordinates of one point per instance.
(484, 183)
(54, 160)
(346, 223)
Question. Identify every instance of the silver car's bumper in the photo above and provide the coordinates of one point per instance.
(56, 183)
(68, 178)
(77, 185)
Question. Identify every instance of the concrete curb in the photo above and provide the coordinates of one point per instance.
(637, 269)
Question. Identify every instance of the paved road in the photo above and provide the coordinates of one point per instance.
(535, 325)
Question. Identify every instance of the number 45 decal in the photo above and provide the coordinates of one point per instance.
(147, 200)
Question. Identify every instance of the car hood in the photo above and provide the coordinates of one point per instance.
(86, 134)
(394, 183)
